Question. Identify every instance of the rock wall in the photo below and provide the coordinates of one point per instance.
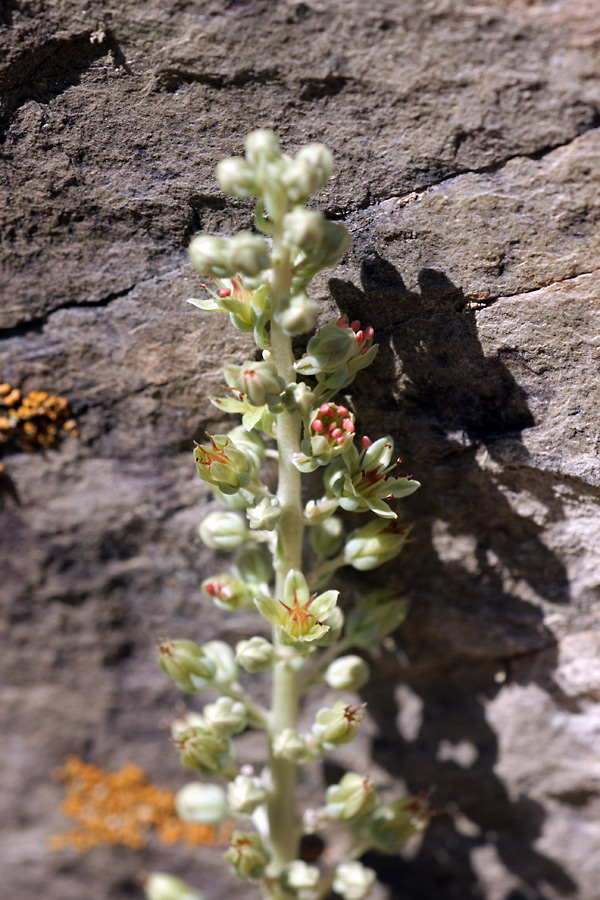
(467, 138)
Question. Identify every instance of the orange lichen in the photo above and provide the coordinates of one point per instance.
(33, 422)
(123, 807)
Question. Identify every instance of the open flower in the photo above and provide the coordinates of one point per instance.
(363, 481)
(298, 616)
(222, 464)
(249, 310)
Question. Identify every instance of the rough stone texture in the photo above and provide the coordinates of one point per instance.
(468, 145)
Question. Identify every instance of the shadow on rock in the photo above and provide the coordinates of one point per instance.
(480, 575)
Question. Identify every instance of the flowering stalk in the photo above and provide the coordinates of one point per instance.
(260, 281)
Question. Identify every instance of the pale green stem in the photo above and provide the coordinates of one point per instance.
(284, 827)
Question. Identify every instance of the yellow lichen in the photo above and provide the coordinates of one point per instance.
(33, 422)
(123, 807)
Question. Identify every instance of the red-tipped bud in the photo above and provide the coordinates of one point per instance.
(355, 326)
(342, 411)
(318, 426)
(225, 292)
(365, 442)
(349, 426)
(337, 433)
(340, 440)
(369, 332)
(360, 337)
(325, 409)
(342, 322)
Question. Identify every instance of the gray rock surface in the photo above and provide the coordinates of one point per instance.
(467, 137)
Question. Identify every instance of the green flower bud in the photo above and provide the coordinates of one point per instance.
(205, 752)
(337, 725)
(327, 537)
(211, 256)
(254, 565)
(249, 253)
(223, 531)
(258, 380)
(223, 657)
(203, 803)
(353, 881)
(304, 228)
(319, 510)
(245, 794)
(348, 673)
(184, 722)
(247, 856)
(353, 796)
(226, 591)
(300, 879)
(298, 397)
(262, 146)
(160, 886)
(307, 172)
(299, 315)
(328, 350)
(392, 825)
(374, 544)
(265, 515)
(222, 464)
(290, 745)
(226, 716)
(255, 655)
(236, 177)
(184, 660)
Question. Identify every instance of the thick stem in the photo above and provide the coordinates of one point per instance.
(284, 827)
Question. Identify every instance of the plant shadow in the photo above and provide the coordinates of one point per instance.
(480, 575)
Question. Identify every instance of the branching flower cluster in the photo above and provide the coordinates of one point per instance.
(289, 413)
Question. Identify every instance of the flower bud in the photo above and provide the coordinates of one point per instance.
(304, 228)
(337, 725)
(245, 794)
(299, 315)
(300, 879)
(319, 510)
(327, 350)
(226, 716)
(374, 544)
(290, 745)
(184, 722)
(255, 655)
(265, 515)
(298, 397)
(203, 803)
(236, 177)
(223, 530)
(353, 881)
(226, 591)
(353, 796)
(211, 256)
(247, 856)
(222, 464)
(392, 825)
(249, 253)
(184, 660)
(348, 673)
(260, 382)
(161, 886)
(254, 565)
(327, 537)
(307, 172)
(223, 657)
(262, 146)
(205, 752)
